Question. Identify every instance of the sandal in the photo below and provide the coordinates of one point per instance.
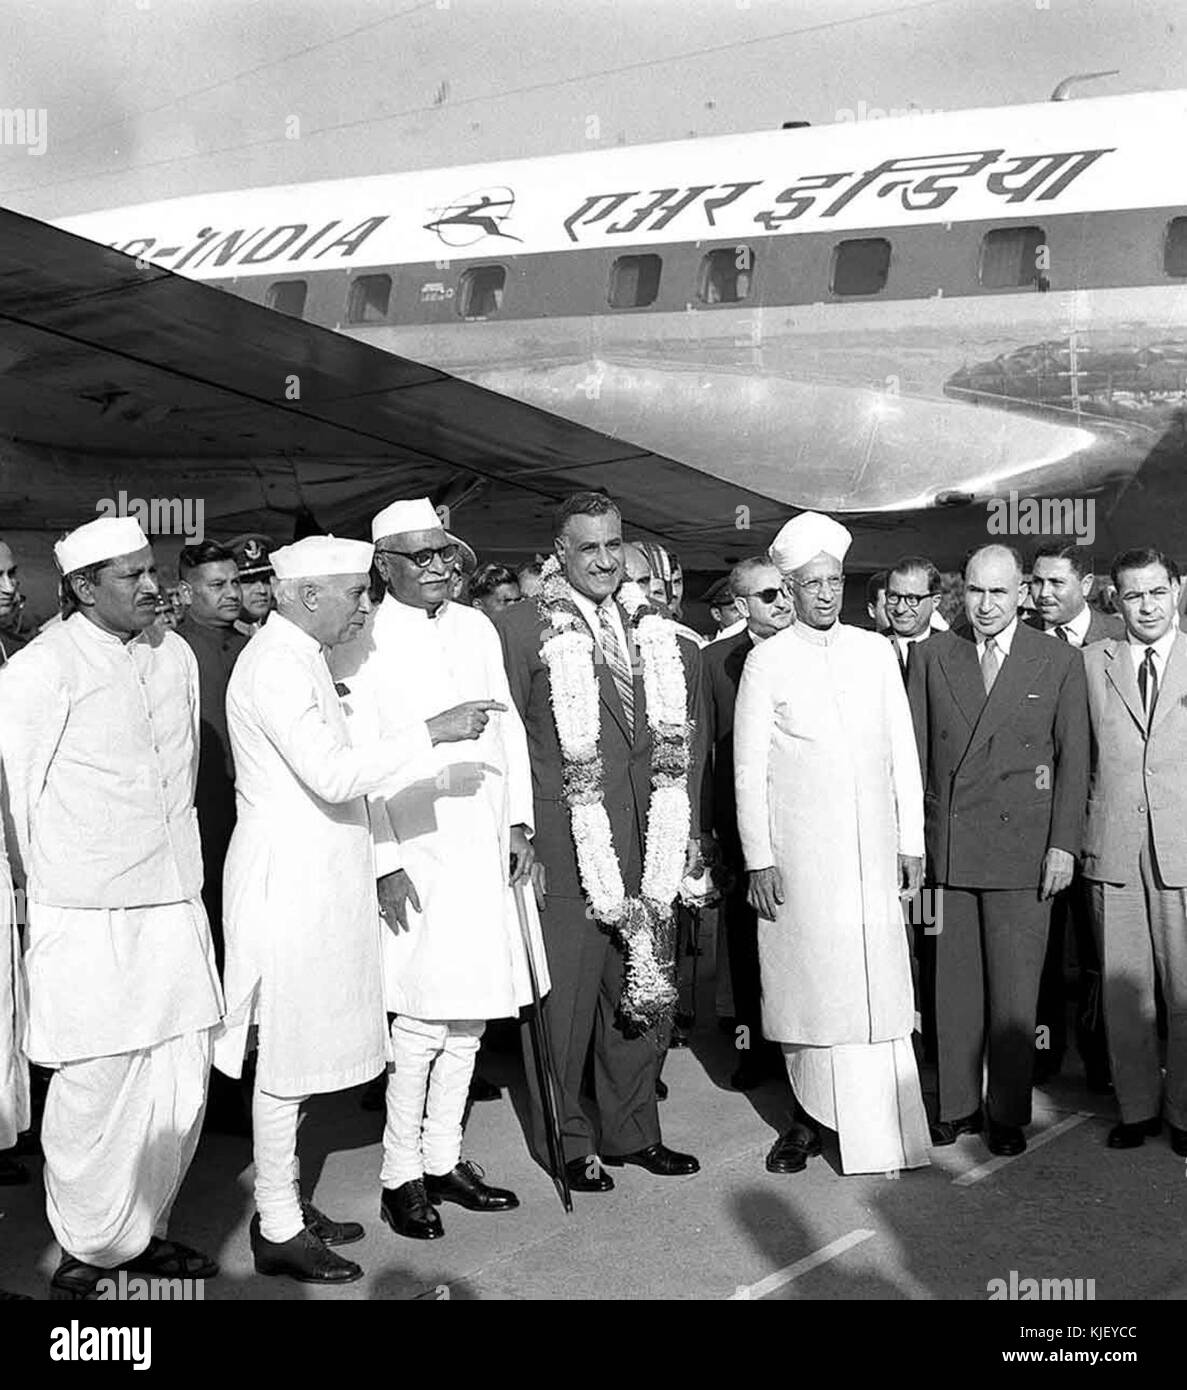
(169, 1259)
(73, 1279)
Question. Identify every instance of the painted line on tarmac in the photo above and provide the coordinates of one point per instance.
(983, 1170)
(785, 1276)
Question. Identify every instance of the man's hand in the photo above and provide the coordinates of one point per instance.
(396, 891)
(910, 875)
(523, 856)
(539, 883)
(1058, 868)
(462, 721)
(765, 892)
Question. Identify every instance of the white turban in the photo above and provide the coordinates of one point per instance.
(402, 517)
(321, 555)
(806, 536)
(102, 539)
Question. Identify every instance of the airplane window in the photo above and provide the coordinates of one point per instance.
(287, 297)
(726, 275)
(634, 281)
(369, 298)
(1011, 258)
(481, 293)
(1174, 252)
(860, 267)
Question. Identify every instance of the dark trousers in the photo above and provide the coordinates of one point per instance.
(989, 957)
(579, 1013)
(1071, 918)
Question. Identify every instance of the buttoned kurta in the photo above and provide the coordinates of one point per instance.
(99, 739)
(828, 790)
(300, 906)
(462, 956)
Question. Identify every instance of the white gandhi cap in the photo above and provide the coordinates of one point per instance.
(402, 517)
(806, 536)
(321, 555)
(101, 539)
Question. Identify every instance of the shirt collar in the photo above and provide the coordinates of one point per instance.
(819, 637)
(1003, 639)
(91, 631)
(1162, 647)
(590, 610)
(1078, 627)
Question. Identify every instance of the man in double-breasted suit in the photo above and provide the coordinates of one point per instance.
(584, 962)
(1002, 726)
(1135, 844)
(760, 599)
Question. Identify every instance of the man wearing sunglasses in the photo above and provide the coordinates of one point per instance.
(448, 849)
(759, 599)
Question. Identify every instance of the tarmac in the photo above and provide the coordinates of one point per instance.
(1068, 1208)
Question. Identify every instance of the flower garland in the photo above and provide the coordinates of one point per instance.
(642, 925)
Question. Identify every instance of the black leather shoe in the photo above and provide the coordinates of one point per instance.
(945, 1132)
(1179, 1140)
(304, 1258)
(1133, 1136)
(657, 1159)
(463, 1185)
(408, 1211)
(327, 1231)
(12, 1173)
(1007, 1141)
(587, 1175)
(792, 1150)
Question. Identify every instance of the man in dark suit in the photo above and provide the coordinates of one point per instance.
(584, 961)
(1061, 579)
(911, 594)
(1002, 726)
(763, 604)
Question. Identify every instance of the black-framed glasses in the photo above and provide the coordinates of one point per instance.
(911, 600)
(422, 559)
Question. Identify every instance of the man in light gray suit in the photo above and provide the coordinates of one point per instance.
(1135, 844)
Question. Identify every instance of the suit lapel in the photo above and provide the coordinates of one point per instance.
(1018, 672)
(959, 664)
(1121, 676)
(1174, 681)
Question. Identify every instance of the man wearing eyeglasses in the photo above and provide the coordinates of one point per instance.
(761, 601)
(448, 848)
(912, 589)
(1135, 844)
(830, 815)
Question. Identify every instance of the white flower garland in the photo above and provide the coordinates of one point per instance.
(569, 652)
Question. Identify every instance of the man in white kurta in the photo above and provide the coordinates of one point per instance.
(14, 1071)
(830, 813)
(454, 954)
(99, 739)
(301, 914)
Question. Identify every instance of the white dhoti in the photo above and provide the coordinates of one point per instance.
(426, 1097)
(119, 1134)
(14, 1071)
(869, 1093)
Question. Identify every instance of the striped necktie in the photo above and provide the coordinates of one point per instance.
(619, 668)
(1061, 633)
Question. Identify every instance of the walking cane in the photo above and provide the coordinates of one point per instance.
(542, 1056)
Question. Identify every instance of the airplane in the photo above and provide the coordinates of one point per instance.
(908, 323)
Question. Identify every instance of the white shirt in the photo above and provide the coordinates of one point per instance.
(591, 611)
(1077, 629)
(1003, 639)
(99, 739)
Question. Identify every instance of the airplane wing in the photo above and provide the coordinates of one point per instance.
(117, 375)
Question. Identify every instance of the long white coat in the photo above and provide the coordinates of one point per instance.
(301, 915)
(462, 956)
(829, 791)
(14, 1070)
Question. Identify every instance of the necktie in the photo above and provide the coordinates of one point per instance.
(1061, 633)
(990, 664)
(619, 669)
(1148, 682)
